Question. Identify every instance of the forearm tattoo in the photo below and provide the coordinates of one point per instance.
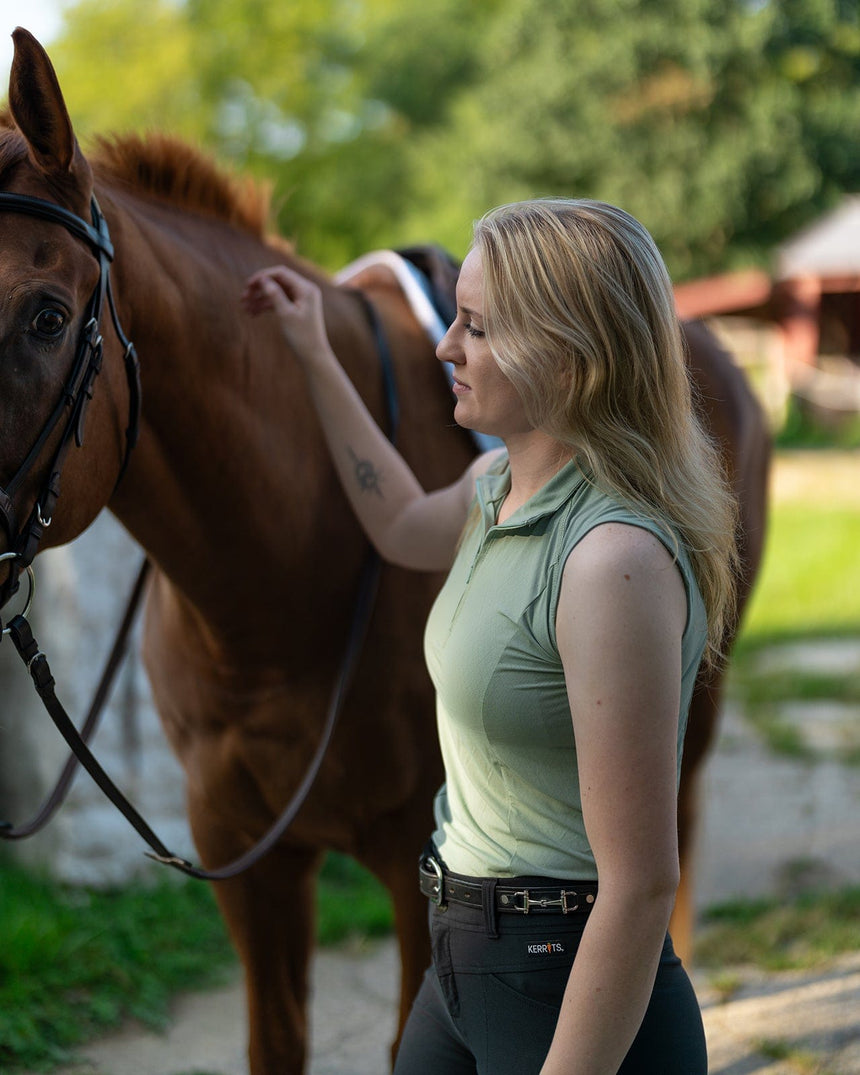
(368, 477)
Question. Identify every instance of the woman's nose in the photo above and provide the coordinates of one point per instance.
(446, 349)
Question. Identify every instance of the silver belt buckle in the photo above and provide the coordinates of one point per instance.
(545, 904)
(438, 897)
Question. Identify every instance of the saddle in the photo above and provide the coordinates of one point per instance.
(440, 271)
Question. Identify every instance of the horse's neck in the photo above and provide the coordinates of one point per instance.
(229, 479)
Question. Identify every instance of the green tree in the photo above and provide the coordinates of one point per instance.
(270, 88)
(723, 124)
(127, 65)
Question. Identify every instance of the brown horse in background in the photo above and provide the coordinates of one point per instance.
(231, 493)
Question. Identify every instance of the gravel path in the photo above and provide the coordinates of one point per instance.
(778, 1024)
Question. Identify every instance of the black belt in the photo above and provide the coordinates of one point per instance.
(442, 888)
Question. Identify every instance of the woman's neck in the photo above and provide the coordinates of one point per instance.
(535, 458)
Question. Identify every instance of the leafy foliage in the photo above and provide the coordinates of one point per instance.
(696, 115)
(723, 124)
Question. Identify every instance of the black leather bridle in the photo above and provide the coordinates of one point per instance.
(24, 540)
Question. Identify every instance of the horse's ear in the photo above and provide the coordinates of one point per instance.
(37, 106)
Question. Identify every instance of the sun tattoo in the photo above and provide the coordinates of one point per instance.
(366, 474)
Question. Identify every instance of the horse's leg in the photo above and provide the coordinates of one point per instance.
(410, 920)
(394, 860)
(270, 913)
(701, 730)
(751, 490)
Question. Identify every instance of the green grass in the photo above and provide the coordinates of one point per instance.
(76, 962)
(809, 590)
(765, 692)
(780, 934)
(350, 901)
(800, 1061)
(810, 580)
(799, 430)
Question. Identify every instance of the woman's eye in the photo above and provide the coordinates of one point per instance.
(49, 322)
(475, 333)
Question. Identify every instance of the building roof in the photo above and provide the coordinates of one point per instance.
(829, 247)
(747, 290)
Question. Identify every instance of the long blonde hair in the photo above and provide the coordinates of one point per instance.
(579, 313)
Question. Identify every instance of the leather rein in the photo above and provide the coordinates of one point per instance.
(24, 542)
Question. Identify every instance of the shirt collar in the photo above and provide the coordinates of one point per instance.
(493, 486)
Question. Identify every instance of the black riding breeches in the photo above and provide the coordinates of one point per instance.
(489, 1003)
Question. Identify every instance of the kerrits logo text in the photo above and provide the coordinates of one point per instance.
(549, 948)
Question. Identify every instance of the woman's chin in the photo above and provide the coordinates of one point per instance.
(466, 421)
(465, 416)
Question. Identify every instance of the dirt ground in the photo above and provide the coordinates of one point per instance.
(808, 1019)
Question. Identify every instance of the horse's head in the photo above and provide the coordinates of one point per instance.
(54, 256)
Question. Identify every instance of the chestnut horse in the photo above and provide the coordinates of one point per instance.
(231, 493)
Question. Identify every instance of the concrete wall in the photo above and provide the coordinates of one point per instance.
(81, 594)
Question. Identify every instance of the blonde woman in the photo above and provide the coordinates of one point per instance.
(591, 566)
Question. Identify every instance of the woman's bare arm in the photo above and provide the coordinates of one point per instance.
(621, 615)
(407, 525)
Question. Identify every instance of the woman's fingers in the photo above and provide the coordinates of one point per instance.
(295, 301)
(269, 288)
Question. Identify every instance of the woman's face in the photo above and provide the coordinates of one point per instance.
(486, 400)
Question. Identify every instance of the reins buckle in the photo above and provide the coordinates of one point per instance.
(561, 903)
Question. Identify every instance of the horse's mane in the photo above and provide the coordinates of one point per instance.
(166, 168)
(174, 171)
(13, 149)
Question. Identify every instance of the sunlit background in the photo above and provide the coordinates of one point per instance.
(730, 127)
(43, 18)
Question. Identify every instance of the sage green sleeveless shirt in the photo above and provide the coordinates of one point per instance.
(510, 805)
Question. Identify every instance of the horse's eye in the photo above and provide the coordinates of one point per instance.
(49, 322)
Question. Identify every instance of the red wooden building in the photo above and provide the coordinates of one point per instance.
(811, 297)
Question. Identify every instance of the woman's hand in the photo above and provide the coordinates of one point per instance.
(295, 301)
(407, 526)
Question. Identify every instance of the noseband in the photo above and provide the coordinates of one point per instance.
(77, 392)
